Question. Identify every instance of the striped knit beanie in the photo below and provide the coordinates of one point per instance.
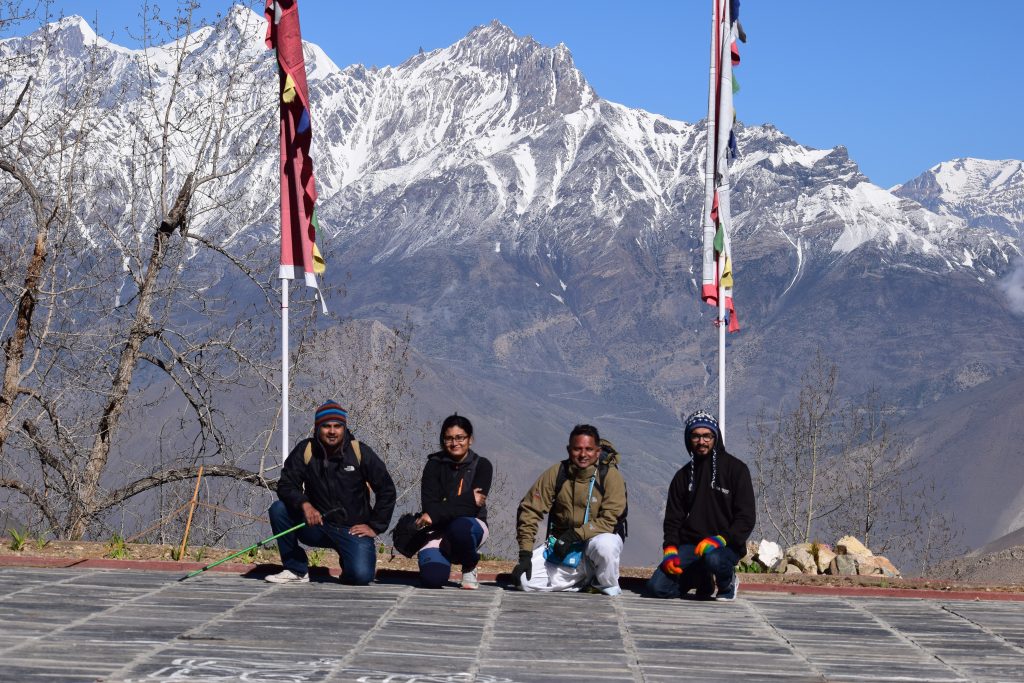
(704, 419)
(330, 412)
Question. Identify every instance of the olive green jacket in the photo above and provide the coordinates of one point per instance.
(568, 511)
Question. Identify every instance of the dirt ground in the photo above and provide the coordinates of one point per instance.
(1005, 567)
(991, 573)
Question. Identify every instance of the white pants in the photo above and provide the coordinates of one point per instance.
(600, 568)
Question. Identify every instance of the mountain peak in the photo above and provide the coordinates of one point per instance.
(984, 192)
(241, 19)
(549, 72)
(71, 33)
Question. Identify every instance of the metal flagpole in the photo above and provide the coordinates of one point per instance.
(284, 369)
(709, 173)
(722, 182)
(721, 347)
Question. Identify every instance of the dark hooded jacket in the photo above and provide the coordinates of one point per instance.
(723, 507)
(336, 486)
(446, 491)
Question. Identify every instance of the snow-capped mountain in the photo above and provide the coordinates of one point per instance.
(544, 242)
(984, 193)
(516, 127)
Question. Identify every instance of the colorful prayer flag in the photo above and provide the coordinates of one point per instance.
(299, 227)
(717, 219)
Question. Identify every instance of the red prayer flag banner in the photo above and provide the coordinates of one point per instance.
(299, 252)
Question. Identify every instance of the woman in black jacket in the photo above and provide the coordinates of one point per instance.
(454, 490)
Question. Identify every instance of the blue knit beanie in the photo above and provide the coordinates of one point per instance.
(704, 419)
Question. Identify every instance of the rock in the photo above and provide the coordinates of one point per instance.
(843, 565)
(887, 567)
(824, 558)
(751, 555)
(802, 558)
(769, 553)
(792, 569)
(867, 565)
(848, 545)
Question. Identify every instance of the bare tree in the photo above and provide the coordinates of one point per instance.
(884, 495)
(827, 467)
(126, 312)
(793, 449)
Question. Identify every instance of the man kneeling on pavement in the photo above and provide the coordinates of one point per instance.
(709, 515)
(584, 547)
(324, 483)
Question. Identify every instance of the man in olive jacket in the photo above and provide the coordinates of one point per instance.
(325, 482)
(571, 523)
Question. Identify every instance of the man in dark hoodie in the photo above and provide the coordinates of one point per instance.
(708, 517)
(324, 483)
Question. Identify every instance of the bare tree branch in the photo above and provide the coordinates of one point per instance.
(17, 104)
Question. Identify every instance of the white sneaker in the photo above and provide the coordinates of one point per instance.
(287, 576)
(730, 592)
(470, 582)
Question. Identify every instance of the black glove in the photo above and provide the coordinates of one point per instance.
(524, 568)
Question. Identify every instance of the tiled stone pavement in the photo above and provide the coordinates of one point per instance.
(88, 625)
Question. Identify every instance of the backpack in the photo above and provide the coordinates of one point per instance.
(406, 538)
(609, 458)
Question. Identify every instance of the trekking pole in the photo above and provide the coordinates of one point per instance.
(231, 557)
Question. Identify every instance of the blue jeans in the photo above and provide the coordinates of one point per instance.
(458, 544)
(720, 563)
(358, 554)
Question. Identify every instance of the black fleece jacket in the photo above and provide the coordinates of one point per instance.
(726, 509)
(336, 486)
(445, 492)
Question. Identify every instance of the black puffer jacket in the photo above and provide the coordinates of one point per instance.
(336, 486)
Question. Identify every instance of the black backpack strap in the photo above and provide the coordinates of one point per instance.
(560, 479)
(602, 472)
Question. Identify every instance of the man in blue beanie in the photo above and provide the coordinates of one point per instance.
(325, 483)
(709, 515)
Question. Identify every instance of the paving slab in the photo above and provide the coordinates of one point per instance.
(93, 624)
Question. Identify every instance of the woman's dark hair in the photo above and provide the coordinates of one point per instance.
(455, 420)
(585, 430)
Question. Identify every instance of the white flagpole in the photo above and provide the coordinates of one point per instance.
(284, 369)
(716, 164)
(709, 188)
(724, 116)
(721, 349)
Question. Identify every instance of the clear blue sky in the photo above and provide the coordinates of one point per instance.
(904, 84)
